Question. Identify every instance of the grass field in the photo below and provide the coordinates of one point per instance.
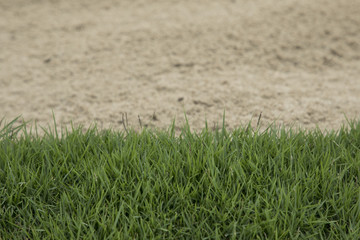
(242, 184)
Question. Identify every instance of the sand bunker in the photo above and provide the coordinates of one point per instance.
(297, 62)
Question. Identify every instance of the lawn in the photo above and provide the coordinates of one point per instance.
(276, 183)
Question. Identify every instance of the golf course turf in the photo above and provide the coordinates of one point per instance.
(243, 184)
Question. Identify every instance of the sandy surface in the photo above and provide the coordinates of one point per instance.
(297, 62)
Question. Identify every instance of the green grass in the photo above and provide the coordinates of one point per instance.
(243, 184)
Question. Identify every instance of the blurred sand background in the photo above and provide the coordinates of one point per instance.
(297, 62)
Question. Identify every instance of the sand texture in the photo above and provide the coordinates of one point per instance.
(297, 62)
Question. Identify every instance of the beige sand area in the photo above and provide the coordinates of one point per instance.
(297, 62)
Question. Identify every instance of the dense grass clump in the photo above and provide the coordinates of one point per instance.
(243, 184)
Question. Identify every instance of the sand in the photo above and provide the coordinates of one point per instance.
(296, 62)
